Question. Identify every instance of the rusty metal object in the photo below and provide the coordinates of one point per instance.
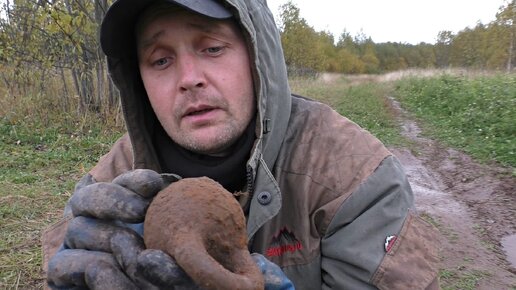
(202, 226)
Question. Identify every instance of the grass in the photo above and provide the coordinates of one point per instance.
(364, 103)
(40, 165)
(476, 115)
(461, 279)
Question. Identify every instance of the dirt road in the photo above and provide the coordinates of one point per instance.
(473, 205)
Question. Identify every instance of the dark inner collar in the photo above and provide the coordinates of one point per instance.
(229, 171)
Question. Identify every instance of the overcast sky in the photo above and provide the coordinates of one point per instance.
(406, 21)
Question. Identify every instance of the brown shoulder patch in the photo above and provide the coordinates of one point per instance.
(411, 261)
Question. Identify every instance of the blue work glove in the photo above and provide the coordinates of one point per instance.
(273, 276)
(100, 250)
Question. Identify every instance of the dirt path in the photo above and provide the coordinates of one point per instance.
(473, 205)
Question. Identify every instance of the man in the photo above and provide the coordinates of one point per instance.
(205, 93)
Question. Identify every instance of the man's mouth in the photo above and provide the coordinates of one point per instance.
(199, 112)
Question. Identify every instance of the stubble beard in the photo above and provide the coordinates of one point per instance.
(227, 136)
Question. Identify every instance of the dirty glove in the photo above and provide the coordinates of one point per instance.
(273, 276)
(99, 249)
(115, 258)
(124, 199)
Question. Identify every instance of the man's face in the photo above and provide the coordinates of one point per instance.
(197, 75)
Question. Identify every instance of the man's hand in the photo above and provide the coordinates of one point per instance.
(124, 199)
(100, 250)
(274, 277)
(115, 257)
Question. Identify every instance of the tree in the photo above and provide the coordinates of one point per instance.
(506, 18)
(58, 39)
(326, 48)
(368, 56)
(390, 56)
(299, 40)
(346, 41)
(348, 62)
(443, 48)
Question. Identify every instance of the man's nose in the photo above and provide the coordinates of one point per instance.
(191, 76)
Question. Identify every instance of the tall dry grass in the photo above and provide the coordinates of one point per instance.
(48, 98)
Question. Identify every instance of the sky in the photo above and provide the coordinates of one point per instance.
(405, 21)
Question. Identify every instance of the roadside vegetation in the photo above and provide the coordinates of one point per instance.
(43, 152)
(364, 103)
(474, 114)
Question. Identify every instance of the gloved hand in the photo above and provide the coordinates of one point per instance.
(274, 277)
(99, 250)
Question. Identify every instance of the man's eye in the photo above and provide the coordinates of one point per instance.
(215, 50)
(161, 62)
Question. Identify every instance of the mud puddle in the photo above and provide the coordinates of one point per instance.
(473, 206)
(509, 247)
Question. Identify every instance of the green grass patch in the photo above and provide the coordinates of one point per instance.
(364, 103)
(461, 279)
(476, 115)
(40, 165)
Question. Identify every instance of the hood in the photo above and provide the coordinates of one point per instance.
(270, 83)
